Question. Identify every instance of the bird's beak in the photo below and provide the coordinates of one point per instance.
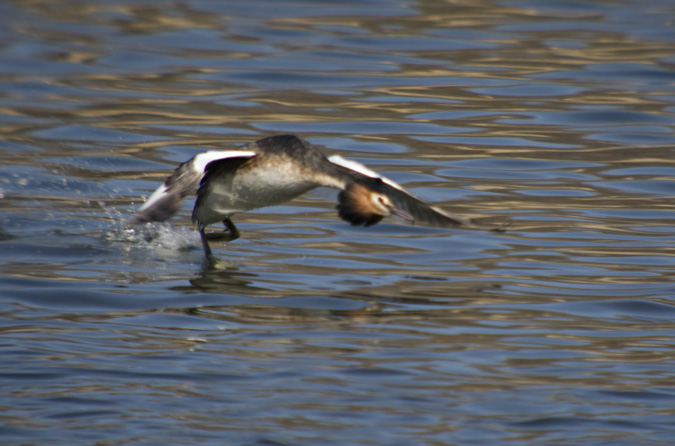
(401, 214)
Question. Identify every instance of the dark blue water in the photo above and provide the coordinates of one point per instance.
(310, 331)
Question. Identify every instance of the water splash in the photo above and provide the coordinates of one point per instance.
(154, 235)
(161, 239)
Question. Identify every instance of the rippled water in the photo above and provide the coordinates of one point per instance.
(309, 331)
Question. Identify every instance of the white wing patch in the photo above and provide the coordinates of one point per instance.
(199, 162)
(363, 170)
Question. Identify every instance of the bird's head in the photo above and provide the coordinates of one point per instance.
(360, 205)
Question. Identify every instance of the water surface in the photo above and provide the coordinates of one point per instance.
(309, 331)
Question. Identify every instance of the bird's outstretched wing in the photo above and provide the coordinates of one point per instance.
(168, 198)
(417, 209)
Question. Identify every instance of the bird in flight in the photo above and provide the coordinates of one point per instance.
(274, 170)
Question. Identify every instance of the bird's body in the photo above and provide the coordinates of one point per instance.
(277, 169)
(282, 169)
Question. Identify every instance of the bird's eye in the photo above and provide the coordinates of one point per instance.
(384, 200)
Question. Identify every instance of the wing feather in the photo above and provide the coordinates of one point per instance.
(166, 201)
(418, 209)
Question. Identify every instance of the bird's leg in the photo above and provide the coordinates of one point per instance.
(234, 232)
(231, 232)
(205, 242)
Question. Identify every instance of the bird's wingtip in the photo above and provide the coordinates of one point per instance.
(494, 223)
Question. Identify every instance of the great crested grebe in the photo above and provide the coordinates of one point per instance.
(277, 169)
